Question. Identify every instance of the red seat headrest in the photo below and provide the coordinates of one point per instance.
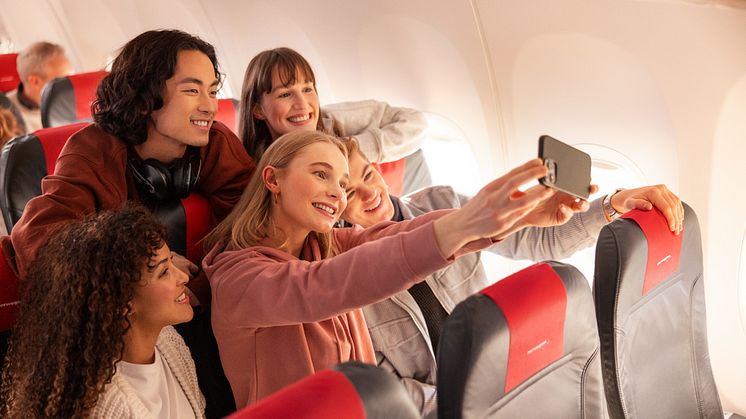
(664, 247)
(9, 78)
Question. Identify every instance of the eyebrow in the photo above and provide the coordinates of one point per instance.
(152, 268)
(365, 169)
(283, 86)
(196, 81)
(329, 166)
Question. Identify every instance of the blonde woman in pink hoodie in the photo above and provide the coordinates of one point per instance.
(287, 287)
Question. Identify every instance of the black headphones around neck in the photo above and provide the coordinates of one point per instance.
(156, 181)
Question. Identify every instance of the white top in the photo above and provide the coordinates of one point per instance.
(157, 388)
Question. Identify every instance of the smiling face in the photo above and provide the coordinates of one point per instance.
(189, 105)
(368, 200)
(290, 107)
(311, 191)
(160, 299)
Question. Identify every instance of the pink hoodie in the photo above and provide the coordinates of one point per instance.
(278, 319)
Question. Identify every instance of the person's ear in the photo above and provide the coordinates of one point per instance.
(35, 80)
(257, 112)
(270, 179)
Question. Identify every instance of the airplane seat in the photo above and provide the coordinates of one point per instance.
(188, 221)
(524, 347)
(650, 306)
(67, 100)
(7, 104)
(228, 113)
(9, 78)
(9, 300)
(8, 294)
(406, 175)
(24, 162)
(350, 390)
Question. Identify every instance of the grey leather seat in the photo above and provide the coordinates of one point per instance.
(525, 347)
(650, 305)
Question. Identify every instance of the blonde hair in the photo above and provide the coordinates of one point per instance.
(352, 147)
(33, 59)
(8, 126)
(250, 222)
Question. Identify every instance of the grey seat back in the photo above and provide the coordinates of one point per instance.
(525, 347)
(649, 297)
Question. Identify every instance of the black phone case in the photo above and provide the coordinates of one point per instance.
(572, 167)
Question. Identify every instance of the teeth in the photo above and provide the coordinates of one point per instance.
(200, 123)
(181, 298)
(300, 118)
(326, 208)
(377, 204)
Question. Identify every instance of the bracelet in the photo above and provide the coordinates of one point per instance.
(609, 211)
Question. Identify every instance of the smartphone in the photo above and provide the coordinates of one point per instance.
(569, 168)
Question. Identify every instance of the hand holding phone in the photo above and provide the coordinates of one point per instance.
(569, 168)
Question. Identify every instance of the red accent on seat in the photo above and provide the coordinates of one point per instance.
(533, 302)
(393, 174)
(227, 114)
(8, 295)
(197, 212)
(664, 247)
(53, 140)
(326, 394)
(9, 78)
(85, 85)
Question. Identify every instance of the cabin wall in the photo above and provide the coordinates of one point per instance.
(657, 85)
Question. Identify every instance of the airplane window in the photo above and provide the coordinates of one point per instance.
(742, 283)
(452, 162)
(449, 156)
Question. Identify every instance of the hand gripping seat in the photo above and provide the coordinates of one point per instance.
(351, 390)
(525, 347)
(9, 78)
(67, 100)
(228, 113)
(650, 305)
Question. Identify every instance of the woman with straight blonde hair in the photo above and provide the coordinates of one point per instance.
(287, 287)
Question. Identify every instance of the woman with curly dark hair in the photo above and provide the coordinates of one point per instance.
(94, 335)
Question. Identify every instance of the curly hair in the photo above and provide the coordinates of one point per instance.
(74, 313)
(133, 89)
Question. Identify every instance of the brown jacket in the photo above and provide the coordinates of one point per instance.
(91, 174)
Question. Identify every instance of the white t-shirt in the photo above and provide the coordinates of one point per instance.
(157, 388)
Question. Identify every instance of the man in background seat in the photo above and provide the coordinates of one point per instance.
(37, 64)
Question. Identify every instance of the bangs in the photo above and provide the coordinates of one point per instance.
(289, 66)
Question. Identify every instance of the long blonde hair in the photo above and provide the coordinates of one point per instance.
(250, 222)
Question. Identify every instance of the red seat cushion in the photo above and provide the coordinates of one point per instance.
(8, 295)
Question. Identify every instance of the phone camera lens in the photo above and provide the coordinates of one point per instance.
(551, 166)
